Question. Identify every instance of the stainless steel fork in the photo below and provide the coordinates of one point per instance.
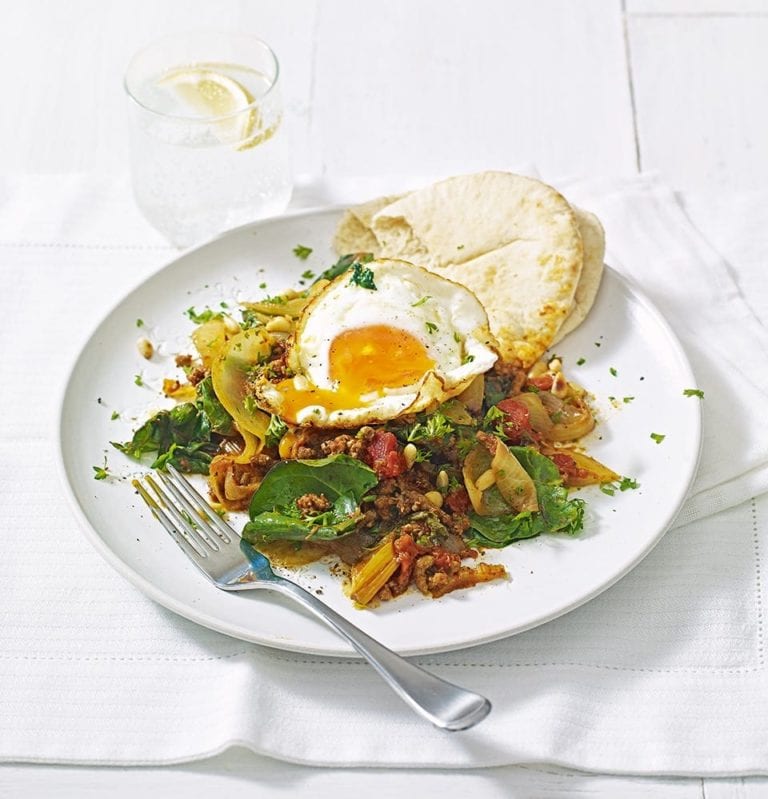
(233, 565)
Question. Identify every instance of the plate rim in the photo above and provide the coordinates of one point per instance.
(197, 616)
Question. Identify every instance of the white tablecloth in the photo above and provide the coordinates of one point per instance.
(663, 673)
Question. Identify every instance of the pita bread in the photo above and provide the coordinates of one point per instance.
(593, 238)
(512, 240)
(354, 234)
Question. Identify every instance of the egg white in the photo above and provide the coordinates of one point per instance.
(444, 316)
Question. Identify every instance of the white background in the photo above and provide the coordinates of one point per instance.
(424, 87)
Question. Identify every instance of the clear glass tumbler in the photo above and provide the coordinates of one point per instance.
(208, 146)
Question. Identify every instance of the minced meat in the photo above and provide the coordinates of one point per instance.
(312, 504)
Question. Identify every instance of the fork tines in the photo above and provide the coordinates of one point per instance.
(184, 513)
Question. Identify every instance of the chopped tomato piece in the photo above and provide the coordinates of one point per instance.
(542, 382)
(568, 467)
(458, 500)
(384, 455)
(517, 420)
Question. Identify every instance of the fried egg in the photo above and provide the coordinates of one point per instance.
(384, 339)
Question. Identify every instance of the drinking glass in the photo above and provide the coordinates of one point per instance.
(208, 145)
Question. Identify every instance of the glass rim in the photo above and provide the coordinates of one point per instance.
(197, 119)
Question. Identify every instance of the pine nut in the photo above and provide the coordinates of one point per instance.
(442, 480)
(230, 325)
(435, 498)
(485, 481)
(409, 453)
(145, 348)
(559, 385)
(280, 324)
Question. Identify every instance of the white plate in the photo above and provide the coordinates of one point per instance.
(548, 575)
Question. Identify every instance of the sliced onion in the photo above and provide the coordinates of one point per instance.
(472, 396)
(512, 489)
(574, 420)
(229, 372)
(209, 338)
(574, 423)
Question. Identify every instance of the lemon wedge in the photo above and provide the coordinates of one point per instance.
(212, 94)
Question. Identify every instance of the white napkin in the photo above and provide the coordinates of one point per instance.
(663, 673)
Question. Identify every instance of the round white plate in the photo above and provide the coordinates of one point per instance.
(628, 349)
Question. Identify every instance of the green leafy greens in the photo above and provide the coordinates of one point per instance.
(556, 514)
(344, 264)
(182, 435)
(202, 317)
(342, 480)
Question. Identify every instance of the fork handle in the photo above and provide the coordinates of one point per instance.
(446, 705)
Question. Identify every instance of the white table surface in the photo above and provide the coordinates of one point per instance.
(422, 87)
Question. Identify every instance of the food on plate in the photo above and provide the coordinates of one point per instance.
(593, 239)
(376, 418)
(390, 339)
(534, 261)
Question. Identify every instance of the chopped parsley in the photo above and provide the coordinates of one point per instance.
(262, 286)
(467, 359)
(436, 426)
(249, 404)
(250, 319)
(362, 276)
(597, 343)
(276, 300)
(307, 274)
(658, 437)
(693, 392)
(493, 421)
(421, 301)
(139, 323)
(138, 380)
(101, 472)
(204, 316)
(625, 484)
(275, 431)
(302, 252)
(431, 327)
(613, 371)
(459, 246)
(581, 361)
(115, 415)
(223, 304)
(627, 400)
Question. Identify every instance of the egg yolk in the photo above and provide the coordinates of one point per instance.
(363, 360)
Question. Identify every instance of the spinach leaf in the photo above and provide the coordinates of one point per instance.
(218, 416)
(556, 514)
(181, 436)
(342, 480)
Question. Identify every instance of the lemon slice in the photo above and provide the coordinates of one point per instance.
(212, 94)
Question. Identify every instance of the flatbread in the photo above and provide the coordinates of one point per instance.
(593, 238)
(354, 234)
(512, 240)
